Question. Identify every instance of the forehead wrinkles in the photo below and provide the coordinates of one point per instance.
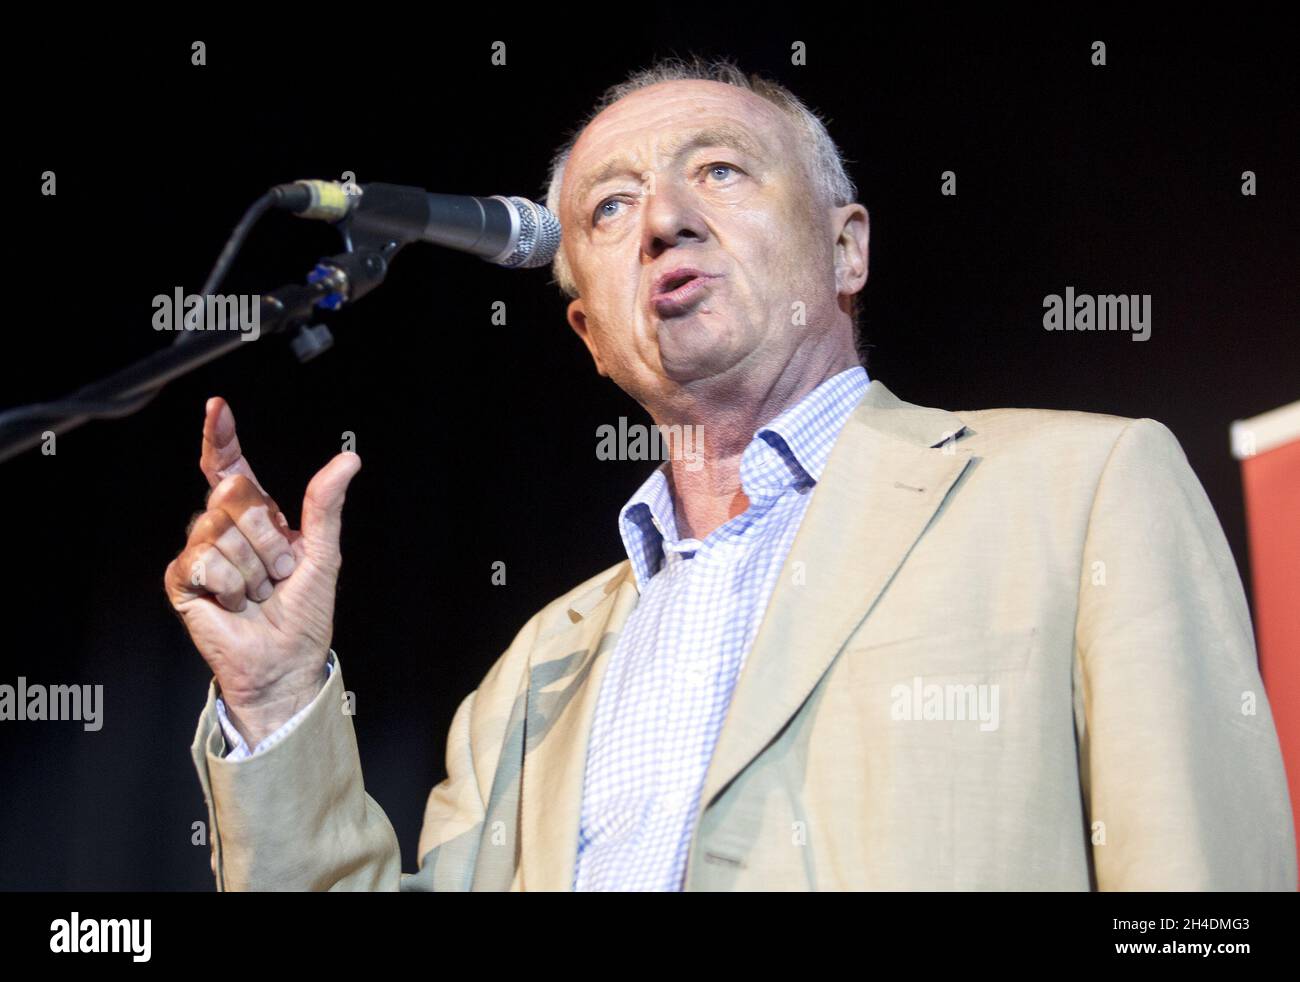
(632, 135)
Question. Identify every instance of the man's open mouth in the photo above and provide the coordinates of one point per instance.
(677, 291)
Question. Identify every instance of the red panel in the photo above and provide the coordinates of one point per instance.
(1272, 489)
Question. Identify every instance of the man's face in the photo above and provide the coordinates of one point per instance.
(705, 179)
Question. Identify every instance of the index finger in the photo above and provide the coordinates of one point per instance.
(221, 453)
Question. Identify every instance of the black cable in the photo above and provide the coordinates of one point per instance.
(113, 408)
(236, 242)
(62, 408)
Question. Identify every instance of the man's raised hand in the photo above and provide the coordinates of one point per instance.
(257, 596)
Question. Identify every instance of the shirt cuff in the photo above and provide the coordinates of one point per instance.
(237, 748)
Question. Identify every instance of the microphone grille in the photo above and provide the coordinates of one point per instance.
(539, 236)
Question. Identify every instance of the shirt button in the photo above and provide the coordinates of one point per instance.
(696, 676)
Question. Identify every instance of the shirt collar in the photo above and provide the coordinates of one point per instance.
(790, 450)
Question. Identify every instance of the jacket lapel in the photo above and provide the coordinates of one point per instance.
(886, 477)
(563, 684)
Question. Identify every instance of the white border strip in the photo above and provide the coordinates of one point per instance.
(1262, 433)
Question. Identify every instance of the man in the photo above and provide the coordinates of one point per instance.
(857, 643)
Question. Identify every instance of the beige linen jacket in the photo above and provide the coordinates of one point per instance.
(1009, 650)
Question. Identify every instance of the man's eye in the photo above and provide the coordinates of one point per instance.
(602, 210)
(726, 169)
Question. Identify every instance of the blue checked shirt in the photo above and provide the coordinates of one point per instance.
(665, 694)
(666, 691)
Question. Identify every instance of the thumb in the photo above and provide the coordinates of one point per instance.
(322, 506)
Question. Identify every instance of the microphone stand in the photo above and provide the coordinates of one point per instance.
(335, 281)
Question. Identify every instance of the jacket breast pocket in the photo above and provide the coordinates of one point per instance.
(958, 654)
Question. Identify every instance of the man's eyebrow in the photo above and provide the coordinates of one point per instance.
(712, 136)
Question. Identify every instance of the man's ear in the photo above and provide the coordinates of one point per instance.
(852, 247)
(578, 321)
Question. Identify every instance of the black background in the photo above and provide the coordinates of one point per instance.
(478, 440)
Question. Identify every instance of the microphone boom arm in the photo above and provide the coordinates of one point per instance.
(336, 281)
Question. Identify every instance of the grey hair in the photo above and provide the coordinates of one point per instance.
(823, 160)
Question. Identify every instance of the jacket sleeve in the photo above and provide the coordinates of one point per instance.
(1182, 771)
(296, 815)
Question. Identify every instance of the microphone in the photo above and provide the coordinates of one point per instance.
(512, 232)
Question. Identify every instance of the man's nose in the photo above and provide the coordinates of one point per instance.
(670, 216)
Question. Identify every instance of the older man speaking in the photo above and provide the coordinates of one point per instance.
(856, 643)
